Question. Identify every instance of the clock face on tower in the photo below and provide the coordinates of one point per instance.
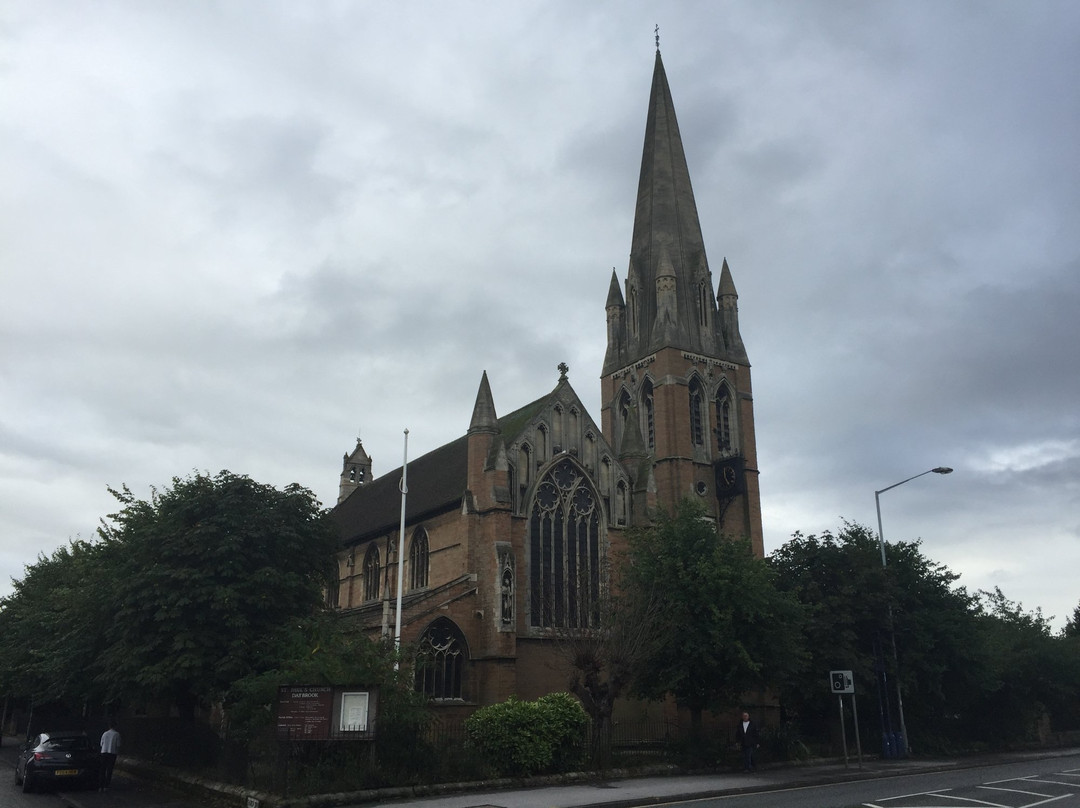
(729, 477)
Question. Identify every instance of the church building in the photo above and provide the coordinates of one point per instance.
(508, 527)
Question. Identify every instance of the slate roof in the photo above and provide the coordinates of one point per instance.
(437, 481)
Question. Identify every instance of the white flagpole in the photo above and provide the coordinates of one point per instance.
(403, 486)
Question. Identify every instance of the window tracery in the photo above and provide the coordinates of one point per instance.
(564, 548)
(440, 660)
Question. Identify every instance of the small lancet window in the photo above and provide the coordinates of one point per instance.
(649, 406)
(724, 441)
(418, 560)
(697, 412)
(371, 573)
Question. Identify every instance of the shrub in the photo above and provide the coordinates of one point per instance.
(521, 738)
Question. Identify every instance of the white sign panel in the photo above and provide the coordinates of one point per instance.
(354, 712)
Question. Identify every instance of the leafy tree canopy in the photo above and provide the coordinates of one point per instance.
(210, 575)
(51, 625)
(729, 629)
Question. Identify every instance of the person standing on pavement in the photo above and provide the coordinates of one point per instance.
(110, 747)
(746, 735)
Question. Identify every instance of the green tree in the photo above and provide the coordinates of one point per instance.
(1072, 625)
(1030, 674)
(211, 573)
(52, 625)
(949, 651)
(728, 629)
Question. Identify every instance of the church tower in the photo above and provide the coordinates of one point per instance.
(676, 378)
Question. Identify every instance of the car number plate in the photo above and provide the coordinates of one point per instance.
(66, 772)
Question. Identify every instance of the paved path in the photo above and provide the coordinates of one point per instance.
(131, 791)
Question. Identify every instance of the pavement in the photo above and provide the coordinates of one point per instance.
(137, 785)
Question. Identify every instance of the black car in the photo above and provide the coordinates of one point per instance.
(58, 758)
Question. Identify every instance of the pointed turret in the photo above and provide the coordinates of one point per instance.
(483, 417)
(727, 300)
(616, 324)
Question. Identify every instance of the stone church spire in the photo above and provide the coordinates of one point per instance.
(669, 301)
(676, 390)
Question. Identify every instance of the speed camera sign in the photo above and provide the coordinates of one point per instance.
(841, 682)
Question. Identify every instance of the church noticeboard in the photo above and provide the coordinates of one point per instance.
(325, 713)
(304, 713)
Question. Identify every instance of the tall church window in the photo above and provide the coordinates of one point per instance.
(623, 411)
(697, 413)
(724, 440)
(564, 550)
(649, 407)
(541, 442)
(440, 660)
(418, 560)
(371, 573)
(333, 591)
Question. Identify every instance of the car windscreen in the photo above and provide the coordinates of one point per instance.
(67, 744)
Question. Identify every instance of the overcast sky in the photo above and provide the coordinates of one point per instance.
(235, 234)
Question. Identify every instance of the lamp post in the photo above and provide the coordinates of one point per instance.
(892, 630)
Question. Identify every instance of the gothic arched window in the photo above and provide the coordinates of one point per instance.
(418, 560)
(623, 415)
(648, 405)
(697, 412)
(371, 573)
(440, 660)
(564, 550)
(724, 440)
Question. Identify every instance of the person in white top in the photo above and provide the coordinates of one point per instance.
(110, 747)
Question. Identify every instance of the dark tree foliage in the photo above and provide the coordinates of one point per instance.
(1029, 672)
(728, 629)
(848, 594)
(972, 669)
(52, 625)
(210, 575)
(1072, 626)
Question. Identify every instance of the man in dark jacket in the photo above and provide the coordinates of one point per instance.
(746, 734)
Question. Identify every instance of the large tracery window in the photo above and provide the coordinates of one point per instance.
(440, 660)
(564, 550)
(371, 573)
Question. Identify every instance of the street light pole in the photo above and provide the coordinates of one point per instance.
(892, 629)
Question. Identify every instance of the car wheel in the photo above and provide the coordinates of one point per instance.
(27, 783)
